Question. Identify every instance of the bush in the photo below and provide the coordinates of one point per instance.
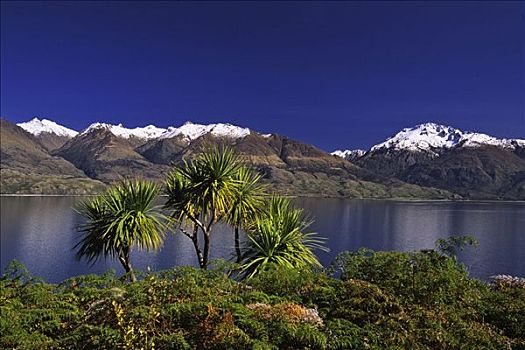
(367, 300)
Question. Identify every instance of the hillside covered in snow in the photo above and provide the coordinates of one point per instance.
(432, 137)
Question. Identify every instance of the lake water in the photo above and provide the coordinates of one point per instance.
(40, 233)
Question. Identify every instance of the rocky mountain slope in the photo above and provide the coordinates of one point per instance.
(426, 161)
(473, 165)
(106, 157)
(27, 167)
(109, 152)
(348, 154)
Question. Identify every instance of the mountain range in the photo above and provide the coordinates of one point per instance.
(427, 161)
(472, 165)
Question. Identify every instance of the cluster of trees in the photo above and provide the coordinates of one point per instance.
(215, 186)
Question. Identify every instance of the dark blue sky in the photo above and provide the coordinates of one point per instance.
(338, 75)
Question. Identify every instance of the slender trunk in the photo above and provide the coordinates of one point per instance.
(126, 263)
(132, 276)
(204, 264)
(207, 231)
(195, 240)
(237, 244)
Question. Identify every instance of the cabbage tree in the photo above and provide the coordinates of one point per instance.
(248, 200)
(200, 194)
(123, 217)
(277, 237)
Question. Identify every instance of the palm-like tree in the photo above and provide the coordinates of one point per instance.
(248, 200)
(123, 217)
(277, 237)
(200, 194)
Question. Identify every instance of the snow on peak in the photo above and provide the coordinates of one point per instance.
(472, 139)
(36, 126)
(188, 130)
(192, 131)
(146, 133)
(423, 137)
(354, 153)
(431, 136)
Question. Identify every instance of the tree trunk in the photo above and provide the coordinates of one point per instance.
(126, 263)
(206, 254)
(195, 240)
(237, 244)
(132, 276)
(206, 230)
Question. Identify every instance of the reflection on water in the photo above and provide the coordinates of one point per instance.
(40, 232)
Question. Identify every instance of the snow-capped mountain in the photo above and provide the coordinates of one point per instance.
(145, 133)
(447, 162)
(37, 126)
(431, 136)
(192, 131)
(189, 131)
(53, 136)
(349, 154)
(462, 162)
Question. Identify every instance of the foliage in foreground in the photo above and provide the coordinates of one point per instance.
(366, 300)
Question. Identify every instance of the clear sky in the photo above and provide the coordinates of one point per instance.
(334, 74)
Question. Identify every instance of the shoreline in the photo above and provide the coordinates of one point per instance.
(397, 199)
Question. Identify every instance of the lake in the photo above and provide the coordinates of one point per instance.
(40, 233)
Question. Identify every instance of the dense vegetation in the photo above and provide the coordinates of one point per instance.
(366, 300)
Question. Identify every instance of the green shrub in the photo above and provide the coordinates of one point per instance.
(367, 300)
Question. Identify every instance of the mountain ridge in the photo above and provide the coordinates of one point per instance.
(188, 129)
(288, 166)
(422, 137)
(473, 165)
(431, 136)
